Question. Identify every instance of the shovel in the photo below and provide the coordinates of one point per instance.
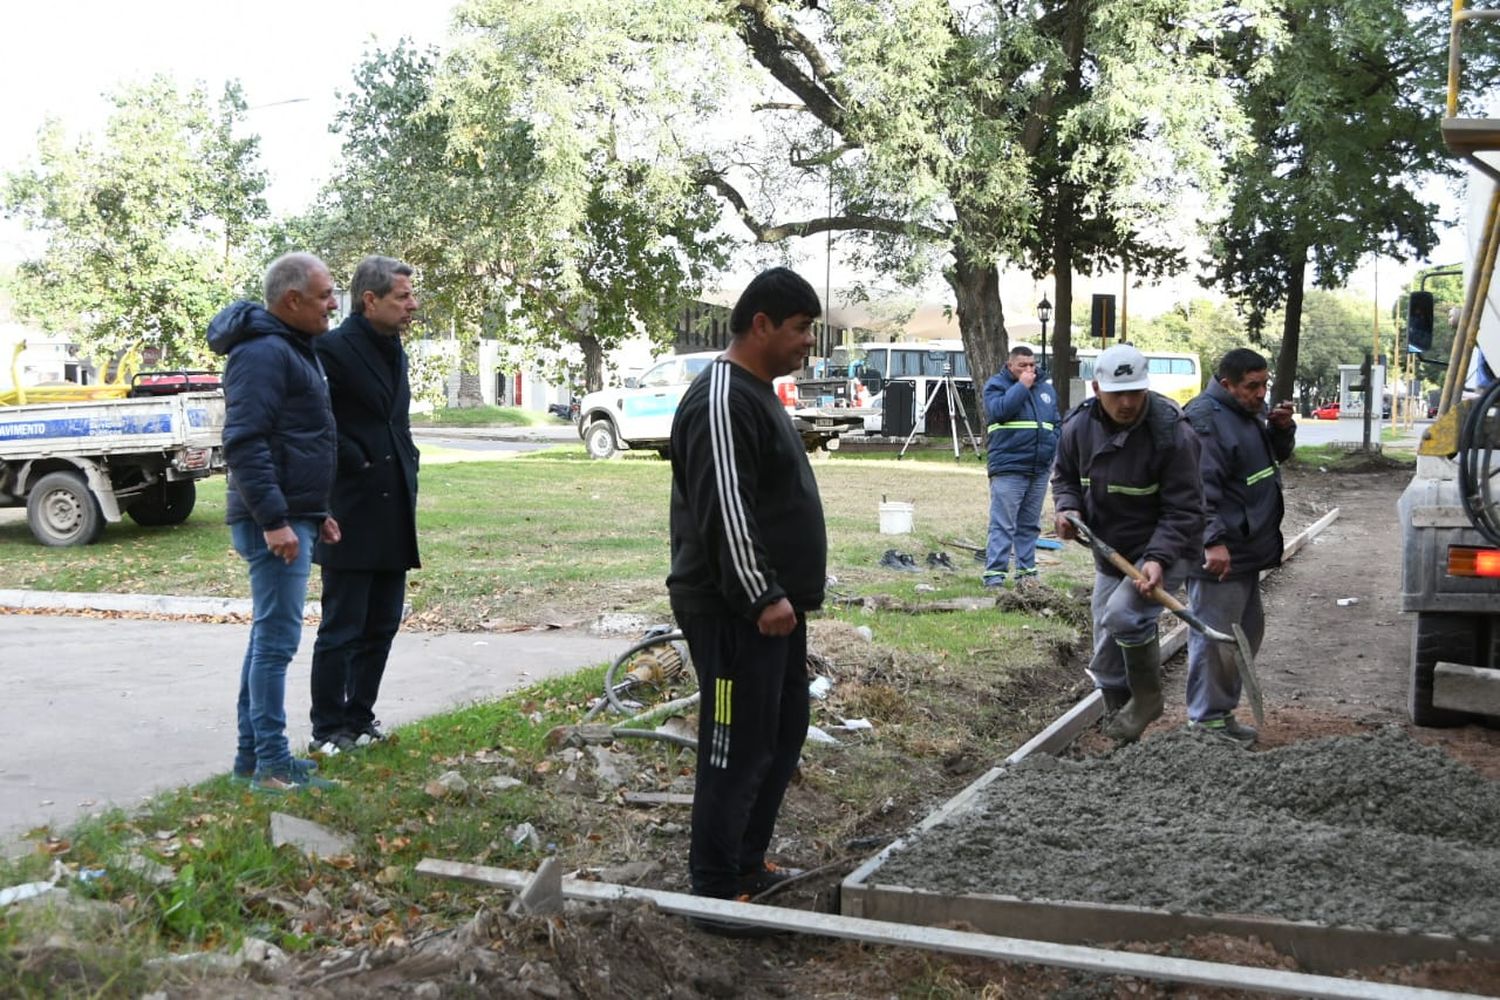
(1238, 643)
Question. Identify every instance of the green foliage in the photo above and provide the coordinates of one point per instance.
(1208, 329)
(146, 226)
(563, 252)
(1345, 123)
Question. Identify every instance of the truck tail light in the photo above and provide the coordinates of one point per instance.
(1466, 561)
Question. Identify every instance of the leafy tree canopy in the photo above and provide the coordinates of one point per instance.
(146, 226)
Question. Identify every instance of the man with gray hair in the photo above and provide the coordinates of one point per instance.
(375, 499)
(279, 444)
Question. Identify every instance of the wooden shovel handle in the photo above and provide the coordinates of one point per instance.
(1120, 563)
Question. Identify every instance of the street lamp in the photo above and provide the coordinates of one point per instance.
(1044, 313)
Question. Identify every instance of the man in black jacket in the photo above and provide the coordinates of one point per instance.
(375, 498)
(1242, 444)
(749, 560)
(279, 446)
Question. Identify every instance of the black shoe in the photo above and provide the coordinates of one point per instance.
(908, 562)
(900, 561)
(940, 560)
(331, 746)
(371, 733)
(768, 877)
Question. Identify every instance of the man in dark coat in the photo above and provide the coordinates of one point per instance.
(375, 499)
(279, 446)
(1022, 418)
(1242, 445)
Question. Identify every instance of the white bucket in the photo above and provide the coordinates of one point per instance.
(895, 517)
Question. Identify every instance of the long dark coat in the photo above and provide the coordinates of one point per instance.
(375, 493)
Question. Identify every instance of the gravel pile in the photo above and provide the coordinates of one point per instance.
(1364, 831)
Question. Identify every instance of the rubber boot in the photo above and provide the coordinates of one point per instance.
(1114, 700)
(1143, 670)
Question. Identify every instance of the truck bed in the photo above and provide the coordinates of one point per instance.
(105, 427)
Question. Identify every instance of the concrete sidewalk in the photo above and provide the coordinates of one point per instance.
(99, 712)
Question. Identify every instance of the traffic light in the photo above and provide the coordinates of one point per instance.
(1102, 319)
(1419, 322)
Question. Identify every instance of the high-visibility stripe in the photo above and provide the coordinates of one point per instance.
(1133, 491)
(1084, 480)
(1020, 425)
(1269, 470)
(728, 701)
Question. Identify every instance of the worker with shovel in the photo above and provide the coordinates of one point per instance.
(1127, 465)
(1242, 443)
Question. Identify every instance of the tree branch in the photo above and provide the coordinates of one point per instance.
(824, 158)
(765, 232)
(768, 37)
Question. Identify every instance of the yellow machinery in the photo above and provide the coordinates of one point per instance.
(117, 388)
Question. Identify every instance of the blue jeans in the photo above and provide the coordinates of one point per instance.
(278, 593)
(1213, 680)
(1015, 522)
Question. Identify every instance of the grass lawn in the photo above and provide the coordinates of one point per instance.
(545, 537)
(484, 416)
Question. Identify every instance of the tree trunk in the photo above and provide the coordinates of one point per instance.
(981, 318)
(1291, 331)
(593, 362)
(1062, 277)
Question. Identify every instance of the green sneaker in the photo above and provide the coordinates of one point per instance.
(293, 780)
(1227, 727)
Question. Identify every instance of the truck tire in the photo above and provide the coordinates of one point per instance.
(62, 510)
(1448, 637)
(163, 503)
(599, 439)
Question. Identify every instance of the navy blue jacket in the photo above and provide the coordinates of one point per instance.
(279, 438)
(1241, 480)
(1022, 424)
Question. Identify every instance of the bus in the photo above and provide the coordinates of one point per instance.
(868, 368)
(1174, 374)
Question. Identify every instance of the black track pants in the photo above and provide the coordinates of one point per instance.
(751, 724)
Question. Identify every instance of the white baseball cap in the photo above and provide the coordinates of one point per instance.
(1121, 368)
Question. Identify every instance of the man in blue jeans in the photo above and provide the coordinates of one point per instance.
(1022, 419)
(280, 446)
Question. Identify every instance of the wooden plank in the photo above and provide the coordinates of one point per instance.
(1008, 949)
(658, 799)
(1317, 947)
(1307, 535)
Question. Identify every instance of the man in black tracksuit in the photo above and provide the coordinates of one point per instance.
(1242, 444)
(749, 558)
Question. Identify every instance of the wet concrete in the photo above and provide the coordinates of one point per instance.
(1372, 831)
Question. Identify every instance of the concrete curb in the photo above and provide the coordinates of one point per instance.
(160, 604)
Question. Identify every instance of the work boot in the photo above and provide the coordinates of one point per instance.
(1143, 671)
(1114, 700)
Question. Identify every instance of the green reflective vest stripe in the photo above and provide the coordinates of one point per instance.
(1084, 481)
(1269, 470)
(1134, 491)
(1019, 425)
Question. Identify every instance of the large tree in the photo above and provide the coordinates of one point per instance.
(906, 126)
(146, 227)
(1345, 122)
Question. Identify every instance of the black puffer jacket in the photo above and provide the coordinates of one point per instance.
(279, 438)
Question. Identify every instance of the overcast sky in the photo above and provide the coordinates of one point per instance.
(292, 58)
(62, 55)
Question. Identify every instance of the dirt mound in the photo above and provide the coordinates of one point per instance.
(1374, 830)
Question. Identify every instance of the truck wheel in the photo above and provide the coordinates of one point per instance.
(599, 439)
(61, 510)
(1447, 637)
(167, 502)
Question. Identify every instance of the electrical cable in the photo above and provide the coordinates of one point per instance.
(1478, 468)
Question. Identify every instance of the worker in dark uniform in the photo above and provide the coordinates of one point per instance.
(1127, 464)
(749, 557)
(1242, 445)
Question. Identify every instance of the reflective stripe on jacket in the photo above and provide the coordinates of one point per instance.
(1021, 424)
(1136, 487)
(1241, 480)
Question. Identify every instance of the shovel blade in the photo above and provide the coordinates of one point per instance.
(1244, 661)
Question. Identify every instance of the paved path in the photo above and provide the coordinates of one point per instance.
(99, 711)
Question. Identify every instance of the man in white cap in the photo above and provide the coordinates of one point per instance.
(1127, 465)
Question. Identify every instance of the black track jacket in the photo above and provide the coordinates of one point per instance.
(747, 521)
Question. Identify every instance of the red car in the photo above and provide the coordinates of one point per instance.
(1328, 412)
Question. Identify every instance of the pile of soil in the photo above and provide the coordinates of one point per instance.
(1371, 830)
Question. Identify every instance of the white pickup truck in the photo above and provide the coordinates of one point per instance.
(639, 414)
(77, 465)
